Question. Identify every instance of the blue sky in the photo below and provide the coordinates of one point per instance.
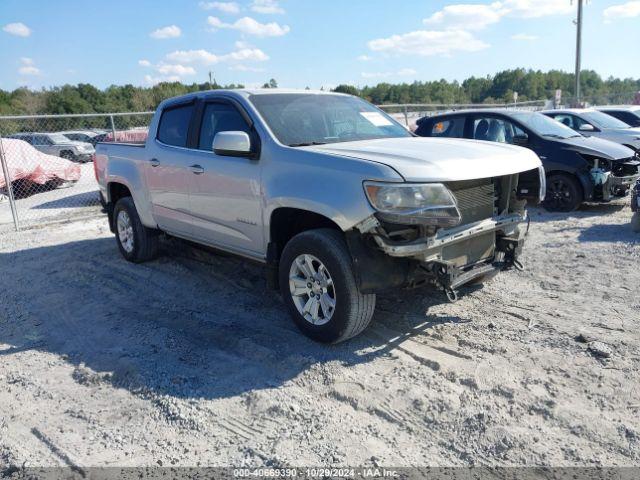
(304, 42)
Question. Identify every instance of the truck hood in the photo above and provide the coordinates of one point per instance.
(419, 159)
(598, 147)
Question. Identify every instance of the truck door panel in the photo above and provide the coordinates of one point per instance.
(226, 204)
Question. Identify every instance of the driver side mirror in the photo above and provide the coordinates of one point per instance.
(521, 139)
(587, 127)
(232, 144)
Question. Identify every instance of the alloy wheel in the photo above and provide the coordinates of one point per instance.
(312, 289)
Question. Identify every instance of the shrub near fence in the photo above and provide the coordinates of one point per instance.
(47, 171)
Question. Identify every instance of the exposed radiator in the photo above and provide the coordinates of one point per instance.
(475, 199)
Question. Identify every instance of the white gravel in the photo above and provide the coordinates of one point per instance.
(190, 360)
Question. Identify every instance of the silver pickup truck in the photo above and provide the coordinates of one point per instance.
(336, 198)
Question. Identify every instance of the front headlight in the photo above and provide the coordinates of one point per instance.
(413, 204)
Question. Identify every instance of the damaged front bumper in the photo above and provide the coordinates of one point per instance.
(448, 259)
(430, 248)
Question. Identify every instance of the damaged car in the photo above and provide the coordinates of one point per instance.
(336, 198)
(579, 169)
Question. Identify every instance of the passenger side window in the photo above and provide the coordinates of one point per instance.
(220, 117)
(174, 125)
(492, 129)
(451, 128)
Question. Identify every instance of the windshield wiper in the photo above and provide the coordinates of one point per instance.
(306, 144)
(553, 135)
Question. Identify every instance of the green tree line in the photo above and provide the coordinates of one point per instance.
(530, 85)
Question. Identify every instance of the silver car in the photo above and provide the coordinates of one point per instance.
(591, 122)
(59, 145)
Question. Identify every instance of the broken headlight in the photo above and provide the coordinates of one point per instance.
(413, 204)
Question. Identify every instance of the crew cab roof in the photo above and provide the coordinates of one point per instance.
(244, 92)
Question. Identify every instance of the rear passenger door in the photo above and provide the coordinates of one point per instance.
(226, 200)
(168, 172)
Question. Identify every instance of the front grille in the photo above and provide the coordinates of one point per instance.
(475, 199)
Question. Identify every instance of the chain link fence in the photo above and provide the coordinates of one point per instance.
(47, 164)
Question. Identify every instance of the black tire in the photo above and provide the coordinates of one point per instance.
(635, 222)
(564, 193)
(144, 240)
(68, 155)
(353, 310)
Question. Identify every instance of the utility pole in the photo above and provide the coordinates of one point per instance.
(579, 50)
(210, 82)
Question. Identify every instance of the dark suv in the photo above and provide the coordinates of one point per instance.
(578, 169)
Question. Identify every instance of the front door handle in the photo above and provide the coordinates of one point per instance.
(154, 162)
(197, 169)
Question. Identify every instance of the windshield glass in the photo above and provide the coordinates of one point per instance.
(602, 120)
(300, 119)
(544, 126)
(58, 138)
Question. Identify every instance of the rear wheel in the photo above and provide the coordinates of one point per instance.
(136, 242)
(564, 193)
(318, 286)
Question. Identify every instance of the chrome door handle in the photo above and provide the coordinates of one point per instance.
(154, 162)
(197, 169)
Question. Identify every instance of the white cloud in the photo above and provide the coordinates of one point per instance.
(535, 8)
(365, 58)
(250, 26)
(524, 37)
(155, 80)
(465, 17)
(240, 44)
(245, 68)
(625, 10)
(266, 6)
(18, 29)
(207, 58)
(427, 43)
(172, 31)
(175, 69)
(28, 67)
(405, 72)
(226, 7)
(193, 56)
(144, 63)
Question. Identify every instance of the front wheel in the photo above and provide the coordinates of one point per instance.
(136, 242)
(564, 193)
(318, 286)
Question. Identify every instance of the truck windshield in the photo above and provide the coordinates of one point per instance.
(300, 119)
(544, 126)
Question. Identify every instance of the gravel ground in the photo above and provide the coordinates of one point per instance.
(190, 360)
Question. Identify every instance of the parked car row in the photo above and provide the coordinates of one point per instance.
(59, 145)
(580, 165)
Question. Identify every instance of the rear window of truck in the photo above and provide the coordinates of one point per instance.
(174, 125)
